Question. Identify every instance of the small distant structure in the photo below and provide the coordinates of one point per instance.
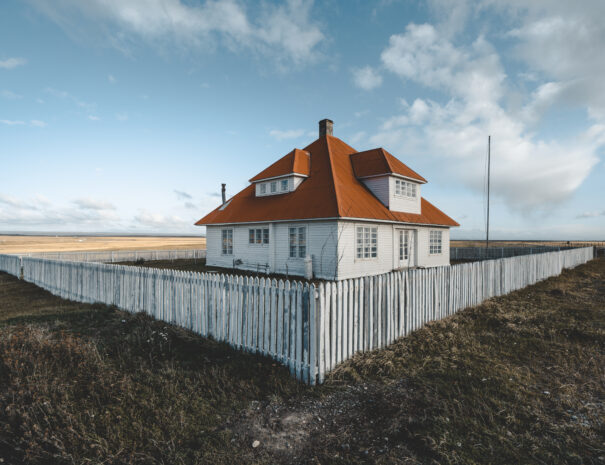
(330, 212)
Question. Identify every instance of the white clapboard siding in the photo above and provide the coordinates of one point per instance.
(309, 328)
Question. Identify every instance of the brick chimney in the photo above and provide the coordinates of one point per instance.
(326, 127)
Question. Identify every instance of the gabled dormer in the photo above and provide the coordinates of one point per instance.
(283, 176)
(393, 183)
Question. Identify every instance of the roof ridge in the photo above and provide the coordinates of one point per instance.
(331, 164)
(386, 154)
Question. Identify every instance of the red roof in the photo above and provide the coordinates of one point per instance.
(331, 191)
(378, 161)
(297, 161)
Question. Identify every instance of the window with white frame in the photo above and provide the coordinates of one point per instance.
(435, 242)
(273, 187)
(405, 188)
(284, 185)
(367, 242)
(263, 188)
(227, 241)
(298, 242)
(404, 245)
(258, 236)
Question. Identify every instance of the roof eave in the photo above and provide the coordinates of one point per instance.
(255, 180)
(335, 218)
(397, 175)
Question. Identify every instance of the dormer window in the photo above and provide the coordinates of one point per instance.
(273, 187)
(263, 188)
(405, 189)
(284, 185)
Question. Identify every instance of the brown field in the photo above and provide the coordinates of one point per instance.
(30, 244)
(517, 379)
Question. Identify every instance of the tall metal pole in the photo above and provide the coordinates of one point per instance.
(488, 175)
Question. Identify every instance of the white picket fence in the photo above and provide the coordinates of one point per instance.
(310, 328)
(116, 256)
(11, 264)
(483, 253)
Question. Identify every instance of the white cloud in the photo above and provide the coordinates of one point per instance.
(11, 63)
(289, 134)
(39, 212)
(92, 204)
(13, 202)
(591, 214)
(183, 195)
(284, 31)
(9, 95)
(160, 221)
(34, 122)
(366, 78)
(122, 116)
(528, 173)
(111, 79)
(93, 118)
(86, 106)
(358, 137)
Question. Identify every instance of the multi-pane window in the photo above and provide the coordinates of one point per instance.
(273, 186)
(263, 188)
(404, 245)
(367, 242)
(227, 241)
(298, 242)
(258, 236)
(284, 185)
(405, 189)
(435, 242)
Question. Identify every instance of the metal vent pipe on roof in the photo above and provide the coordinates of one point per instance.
(224, 192)
(326, 127)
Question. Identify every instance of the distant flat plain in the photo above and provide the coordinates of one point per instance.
(31, 244)
(50, 243)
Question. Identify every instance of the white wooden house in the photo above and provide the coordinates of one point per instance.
(339, 212)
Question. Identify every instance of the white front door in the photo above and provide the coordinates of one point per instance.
(405, 250)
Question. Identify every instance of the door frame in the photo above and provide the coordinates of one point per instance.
(412, 248)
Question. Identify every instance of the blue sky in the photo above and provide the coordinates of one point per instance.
(125, 115)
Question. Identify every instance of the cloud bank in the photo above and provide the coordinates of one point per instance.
(283, 31)
(472, 90)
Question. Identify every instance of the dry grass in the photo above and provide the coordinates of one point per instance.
(518, 379)
(30, 244)
(91, 384)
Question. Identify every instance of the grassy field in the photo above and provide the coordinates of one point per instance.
(30, 244)
(518, 379)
